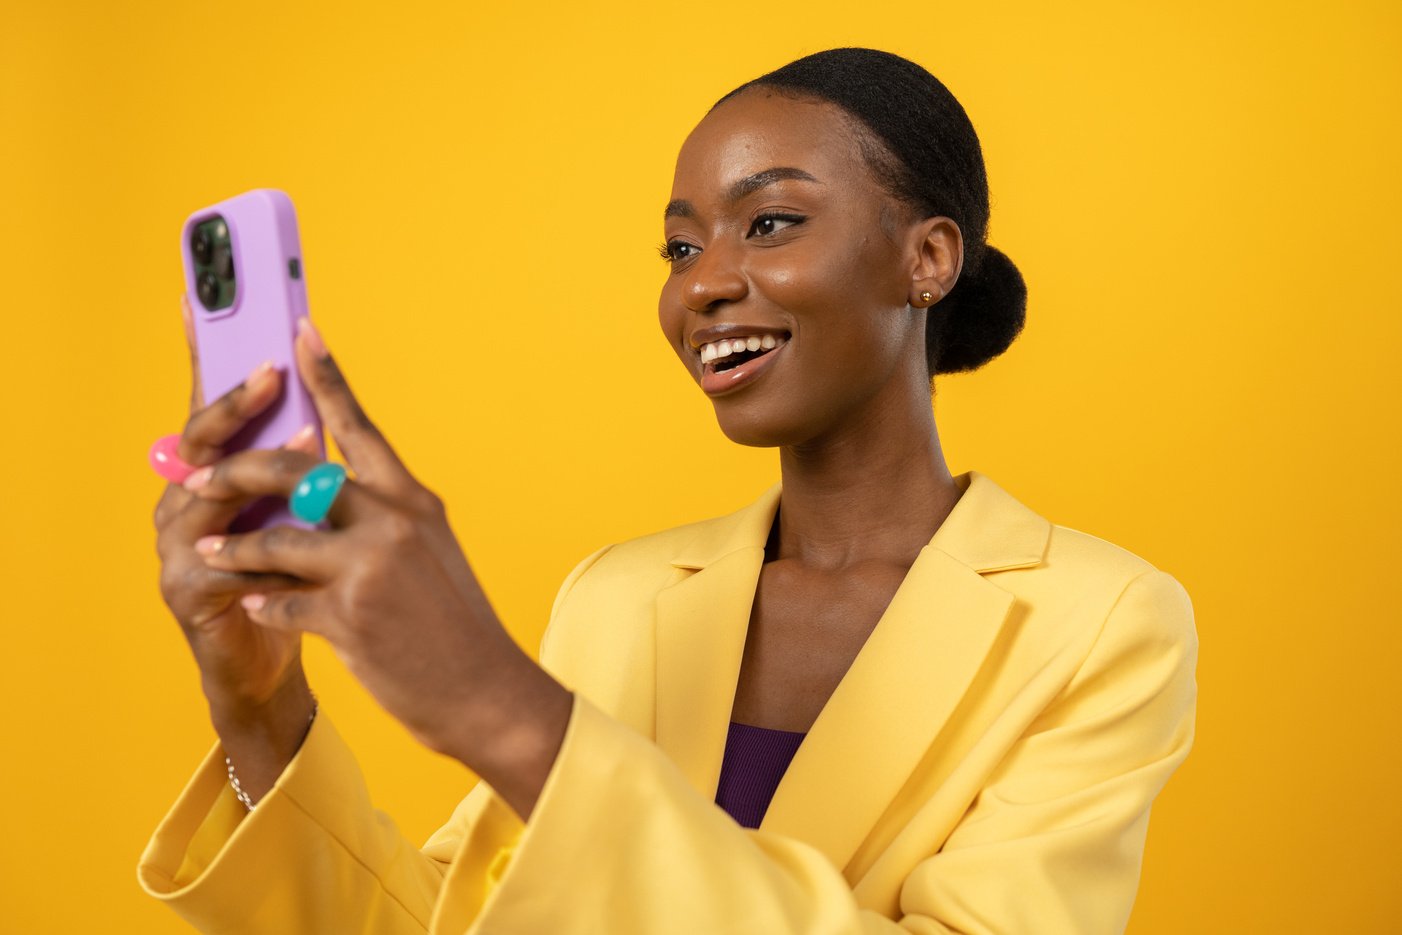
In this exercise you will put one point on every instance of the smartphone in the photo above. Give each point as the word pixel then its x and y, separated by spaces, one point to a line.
pixel 247 287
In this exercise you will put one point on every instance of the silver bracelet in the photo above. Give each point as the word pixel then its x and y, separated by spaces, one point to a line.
pixel 234 780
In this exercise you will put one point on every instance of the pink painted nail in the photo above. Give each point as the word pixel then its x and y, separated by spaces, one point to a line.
pixel 209 545
pixel 253 602
pixel 305 326
pixel 198 479
pixel 303 435
pixel 259 372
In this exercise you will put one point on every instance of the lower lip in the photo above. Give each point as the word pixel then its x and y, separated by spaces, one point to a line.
pixel 720 383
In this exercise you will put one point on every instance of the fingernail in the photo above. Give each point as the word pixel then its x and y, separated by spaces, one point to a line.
pixel 259 372
pixel 209 545
pixel 305 326
pixel 199 478
pixel 303 436
pixel 253 602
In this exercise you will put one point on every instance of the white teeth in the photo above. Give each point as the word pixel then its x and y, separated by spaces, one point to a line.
pixel 717 350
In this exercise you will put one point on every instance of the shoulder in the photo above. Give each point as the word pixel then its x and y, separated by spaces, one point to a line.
pixel 1118 631
pixel 1077 555
pixel 643 565
pixel 612 590
pixel 651 561
pixel 1135 605
pixel 1075 589
pixel 1021 550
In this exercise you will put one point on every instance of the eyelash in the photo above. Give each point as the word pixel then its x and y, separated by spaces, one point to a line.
pixel 665 249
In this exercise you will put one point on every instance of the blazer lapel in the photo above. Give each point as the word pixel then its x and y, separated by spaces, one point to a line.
pixel 701 625
pixel 897 696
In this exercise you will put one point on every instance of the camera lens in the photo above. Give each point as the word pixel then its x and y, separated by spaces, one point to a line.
pixel 208 287
pixel 202 245
pixel 224 261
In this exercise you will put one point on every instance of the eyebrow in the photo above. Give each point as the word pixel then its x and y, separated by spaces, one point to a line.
pixel 747 186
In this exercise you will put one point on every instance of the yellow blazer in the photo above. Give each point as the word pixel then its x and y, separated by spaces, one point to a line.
pixel 986 765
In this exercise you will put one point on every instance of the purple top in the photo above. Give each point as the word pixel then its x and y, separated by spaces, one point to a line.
pixel 755 761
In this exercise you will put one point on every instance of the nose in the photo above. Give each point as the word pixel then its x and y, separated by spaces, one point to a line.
pixel 714 276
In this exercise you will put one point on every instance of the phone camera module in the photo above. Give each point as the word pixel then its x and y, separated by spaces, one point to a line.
pixel 212 255
pixel 208 287
pixel 202 245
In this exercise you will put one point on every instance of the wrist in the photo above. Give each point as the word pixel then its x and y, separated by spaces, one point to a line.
pixel 266 716
pixel 259 741
pixel 247 796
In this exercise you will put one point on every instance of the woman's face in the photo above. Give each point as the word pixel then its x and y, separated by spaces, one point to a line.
pixel 778 230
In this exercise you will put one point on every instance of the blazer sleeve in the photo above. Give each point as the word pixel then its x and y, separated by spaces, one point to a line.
pixel 620 842
pixel 315 855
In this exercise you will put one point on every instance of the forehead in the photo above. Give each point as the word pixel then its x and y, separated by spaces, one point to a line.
pixel 759 129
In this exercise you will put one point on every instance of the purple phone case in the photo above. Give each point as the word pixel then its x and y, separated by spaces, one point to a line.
pixel 260 325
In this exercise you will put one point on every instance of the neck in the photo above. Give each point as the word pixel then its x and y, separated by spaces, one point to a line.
pixel 876 491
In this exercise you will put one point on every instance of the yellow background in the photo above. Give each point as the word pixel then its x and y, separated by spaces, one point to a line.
pixel 1203 198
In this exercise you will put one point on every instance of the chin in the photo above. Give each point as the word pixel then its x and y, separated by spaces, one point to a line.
pixel 756 426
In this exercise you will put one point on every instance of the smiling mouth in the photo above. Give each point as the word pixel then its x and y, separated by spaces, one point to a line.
pixel 738 368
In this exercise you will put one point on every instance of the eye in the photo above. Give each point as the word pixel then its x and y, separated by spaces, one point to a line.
pixel 767 224
pixel 674 250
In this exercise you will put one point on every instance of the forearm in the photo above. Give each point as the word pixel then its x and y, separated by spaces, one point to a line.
pixel 531 754
pixel 512 735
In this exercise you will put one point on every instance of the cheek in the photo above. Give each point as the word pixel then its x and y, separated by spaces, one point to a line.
pixel 671 318
pixel 800 283
pixel 831 293
pixel 847 313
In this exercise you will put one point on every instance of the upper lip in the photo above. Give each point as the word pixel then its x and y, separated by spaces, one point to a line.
pixel 704 336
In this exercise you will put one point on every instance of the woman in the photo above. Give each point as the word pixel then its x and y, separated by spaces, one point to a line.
pixel 987 703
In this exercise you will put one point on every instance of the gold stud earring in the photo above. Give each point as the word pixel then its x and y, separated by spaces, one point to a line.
pixel 926 296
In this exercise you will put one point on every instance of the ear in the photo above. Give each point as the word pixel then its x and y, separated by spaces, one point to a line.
pixel 937 252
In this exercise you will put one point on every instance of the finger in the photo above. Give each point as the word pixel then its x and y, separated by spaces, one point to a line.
pixel 299 609
pixel 190 516
pixel 366 449
pixel 308 554
pixel 214 583
pixel 196 383
pixel 208 429
pixel 244 476
pixel 191 520
pixel 175 497
pixel 221 582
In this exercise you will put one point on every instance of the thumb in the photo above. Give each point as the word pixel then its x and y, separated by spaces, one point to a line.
pixel 196 385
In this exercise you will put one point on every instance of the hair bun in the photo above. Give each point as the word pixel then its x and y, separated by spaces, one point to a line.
pixel 980 316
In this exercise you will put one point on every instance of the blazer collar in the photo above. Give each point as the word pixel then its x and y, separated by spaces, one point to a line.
pixel 899 693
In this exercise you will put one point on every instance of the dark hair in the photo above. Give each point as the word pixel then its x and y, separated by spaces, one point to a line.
pixel 932 161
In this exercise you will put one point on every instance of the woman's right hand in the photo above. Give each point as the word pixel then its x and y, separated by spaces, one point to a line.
pixel 247 670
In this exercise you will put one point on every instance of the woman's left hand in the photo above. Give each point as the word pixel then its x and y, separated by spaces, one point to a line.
pixel 389 587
